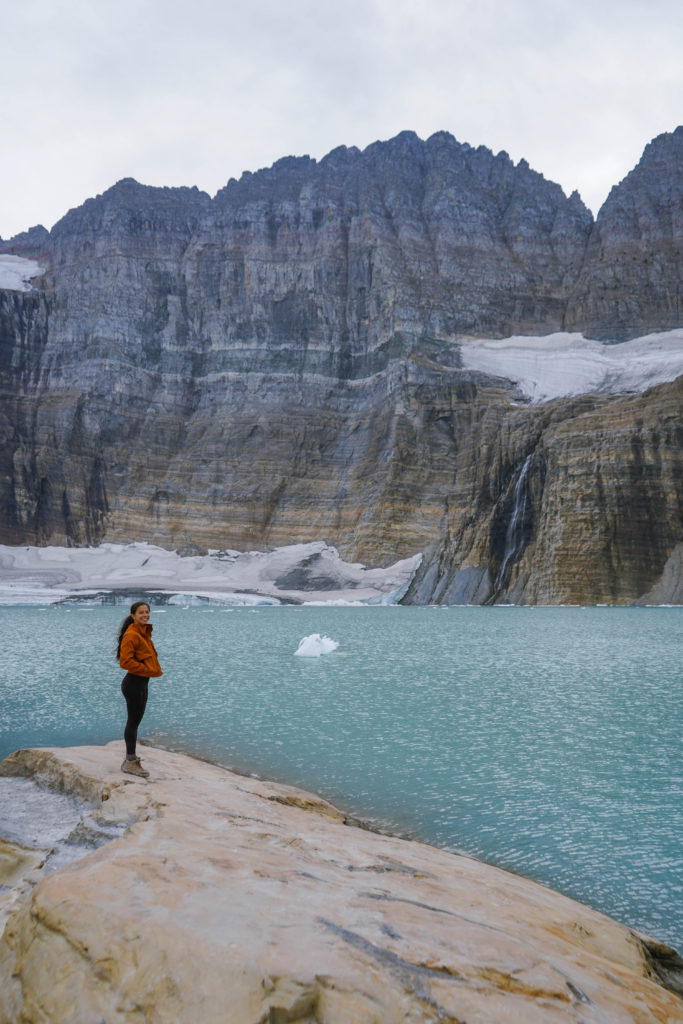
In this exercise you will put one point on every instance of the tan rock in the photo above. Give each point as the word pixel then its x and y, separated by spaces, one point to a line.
pixel 233 899
pixel 18 867
pixel 601 505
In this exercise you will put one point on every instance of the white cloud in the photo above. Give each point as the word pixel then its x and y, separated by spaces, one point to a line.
pixel 175 93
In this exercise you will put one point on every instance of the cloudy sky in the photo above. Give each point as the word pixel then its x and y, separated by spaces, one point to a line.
pixel 193 92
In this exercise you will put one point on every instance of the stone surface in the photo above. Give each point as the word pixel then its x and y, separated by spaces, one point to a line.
pixel 631 279
pixel 230 898
pixel 281 364
pixel 599 509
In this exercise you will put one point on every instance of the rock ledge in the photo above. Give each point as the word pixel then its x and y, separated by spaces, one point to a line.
pixel 230 898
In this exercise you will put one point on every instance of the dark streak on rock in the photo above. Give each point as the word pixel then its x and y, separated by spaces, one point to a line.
pixel 414 977
pixel 426 906
pixel 577 993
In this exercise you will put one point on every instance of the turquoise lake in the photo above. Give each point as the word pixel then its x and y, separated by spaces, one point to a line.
pixel 544 740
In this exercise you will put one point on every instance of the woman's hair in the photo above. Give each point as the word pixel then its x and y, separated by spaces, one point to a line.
pixel 128 621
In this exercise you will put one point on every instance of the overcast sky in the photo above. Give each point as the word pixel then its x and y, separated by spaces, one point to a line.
pixel 195 92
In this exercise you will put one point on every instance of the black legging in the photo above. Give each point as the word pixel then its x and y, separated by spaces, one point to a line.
pixel 134 689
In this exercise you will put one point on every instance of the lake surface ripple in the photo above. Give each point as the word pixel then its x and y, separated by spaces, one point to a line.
pixel 544 740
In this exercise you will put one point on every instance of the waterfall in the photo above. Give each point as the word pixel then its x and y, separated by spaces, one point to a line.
pixel 514 535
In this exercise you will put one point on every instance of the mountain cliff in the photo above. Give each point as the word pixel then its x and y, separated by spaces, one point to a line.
pixel 283 363
pixel 631 280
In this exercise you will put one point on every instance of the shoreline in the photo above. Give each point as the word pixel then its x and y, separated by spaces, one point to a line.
pixel 374 825
pixel 303 722
pixel 305 574
pixel 377 826
pixel 384 826
pixel 228 880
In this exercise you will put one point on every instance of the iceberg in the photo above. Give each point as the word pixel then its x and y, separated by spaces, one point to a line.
pixel 314 645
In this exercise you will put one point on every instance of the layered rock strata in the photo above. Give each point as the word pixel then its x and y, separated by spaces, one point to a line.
pixel 281 364
pixel 575 502
pixel 229 897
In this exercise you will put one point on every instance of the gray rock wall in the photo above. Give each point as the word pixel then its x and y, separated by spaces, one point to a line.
pixel 631 281
pixel 281 363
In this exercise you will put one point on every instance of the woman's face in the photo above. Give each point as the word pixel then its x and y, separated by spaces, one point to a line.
pixel 141 615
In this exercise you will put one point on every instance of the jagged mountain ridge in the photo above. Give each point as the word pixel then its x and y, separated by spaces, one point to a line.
pixel 280 364
pixel 630 280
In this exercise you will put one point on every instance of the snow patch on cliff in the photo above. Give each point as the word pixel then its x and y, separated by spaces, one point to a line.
pixel 298 574
pixel 561 365
pixel 16 273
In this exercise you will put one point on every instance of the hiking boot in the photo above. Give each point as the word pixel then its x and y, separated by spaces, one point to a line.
pixel 134 768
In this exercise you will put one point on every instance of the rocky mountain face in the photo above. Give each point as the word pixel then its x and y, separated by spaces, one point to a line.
pixel 577 501
pixel 631 281
pixel 281 363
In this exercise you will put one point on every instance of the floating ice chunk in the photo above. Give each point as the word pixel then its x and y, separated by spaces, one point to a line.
pixel 314 645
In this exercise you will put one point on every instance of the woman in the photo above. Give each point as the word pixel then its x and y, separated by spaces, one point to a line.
pixel 137 654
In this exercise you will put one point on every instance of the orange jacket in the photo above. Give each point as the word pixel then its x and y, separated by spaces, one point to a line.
pixel 138 653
